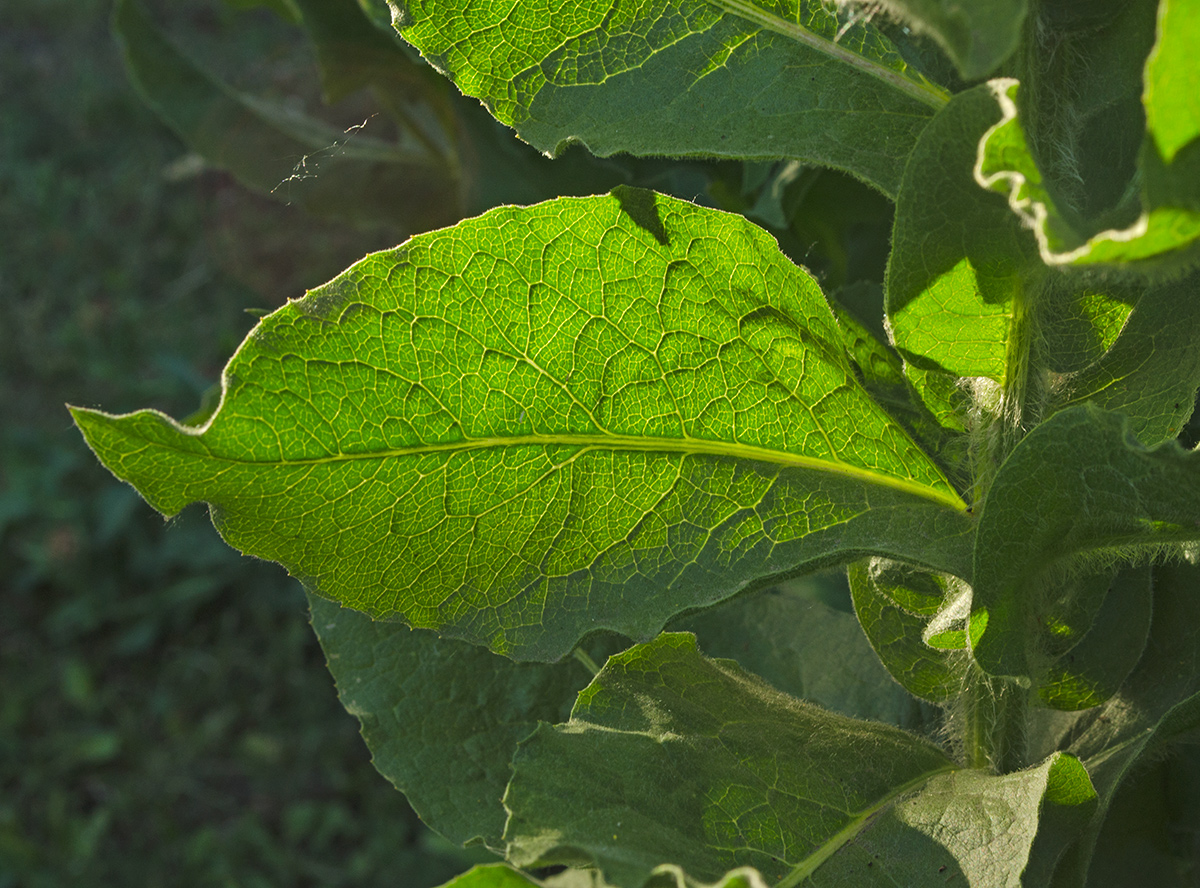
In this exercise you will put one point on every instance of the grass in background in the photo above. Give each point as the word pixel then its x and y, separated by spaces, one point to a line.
pixel 165 714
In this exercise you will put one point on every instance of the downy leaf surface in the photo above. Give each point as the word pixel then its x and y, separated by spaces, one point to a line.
pixel 592 413
pixel 441 717
pixel 732 78
pixel 279 152
pixel 1079 483
pixel 672 757
pixel 1169 163
pixel 978 36
pixel 959 258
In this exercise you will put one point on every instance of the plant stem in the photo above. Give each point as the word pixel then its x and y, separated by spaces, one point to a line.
pixel 994 713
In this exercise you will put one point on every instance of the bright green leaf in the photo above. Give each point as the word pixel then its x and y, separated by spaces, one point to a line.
pixel 277 152
pixel 441 717
pixel 960 260
pixel 895 605
pixel 671 757
pixel 1077 484
pixel 492 875
pixel 593 413
pixel 978 35
pixel 731 78
pixel 1172 81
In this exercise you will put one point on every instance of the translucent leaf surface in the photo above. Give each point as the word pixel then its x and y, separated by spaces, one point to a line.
pixel 671 757
pixel 1078 483
pixel 593 413
pixel 278 152
pixel 978 36
pixel 895 607
pixel 960 260
pixel 733 78
pixel 495 875
pixel 442 718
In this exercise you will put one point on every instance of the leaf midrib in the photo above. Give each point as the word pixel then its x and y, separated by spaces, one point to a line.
pixel 832 845
pixel 927 93
pixel 606 441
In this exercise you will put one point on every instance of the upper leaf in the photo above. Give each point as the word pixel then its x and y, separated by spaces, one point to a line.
pixel 978 36
pixel 730 78
pixel 592 413
pixel 276 151
pixel 1078 483
pixel 673 758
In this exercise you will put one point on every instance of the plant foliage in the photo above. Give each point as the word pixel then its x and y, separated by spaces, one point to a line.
pixel 537 468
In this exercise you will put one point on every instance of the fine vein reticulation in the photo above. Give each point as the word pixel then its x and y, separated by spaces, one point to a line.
pixel 594 412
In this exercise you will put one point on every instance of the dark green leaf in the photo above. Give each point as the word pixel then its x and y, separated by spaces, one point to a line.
pixel 1077 484
pixel 673 758
pixel 685 78
pixel 280 153
pixel 593 413
pixel 441 717
pixel 978 35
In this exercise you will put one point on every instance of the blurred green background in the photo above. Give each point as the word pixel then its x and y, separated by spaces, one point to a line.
pixel 165 713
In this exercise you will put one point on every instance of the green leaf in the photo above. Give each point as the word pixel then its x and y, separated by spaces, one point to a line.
pixel 593 413
pixel 280 153
pixel 895 605
pixel 1169 220
pixel 442 718
pixel 731 78
pixel 673 758
pixel 960 260
pixel 1157 706
pixel 978 36
pixel 806 648
pixel 492 875
pixel 1077 484
pixel 1173 79
pixel 1152 370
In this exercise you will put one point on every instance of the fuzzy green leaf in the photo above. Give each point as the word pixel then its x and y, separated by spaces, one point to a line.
pixel 673 758
pixel 442 718
pixel 732 78
pixel 1152 370
pixel 959 257
pixel 896 606
pixel 592 413
pixel 978 35
pixel 1079 483
pixel 804 647
pixel 278 152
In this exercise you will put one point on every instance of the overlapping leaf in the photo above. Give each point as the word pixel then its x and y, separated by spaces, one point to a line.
pixel 733 78
pixel 593 413
pixel 670 757
pixel 978 36
pixel 1077 484
pixel 278 152
pixel 1169 163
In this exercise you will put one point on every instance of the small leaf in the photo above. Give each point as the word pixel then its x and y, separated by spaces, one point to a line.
pixel 673 758
pixel 442 718
pixel 1077 484
pixel 887 601
pixel 592 413
pixel 732 78
pixel 492 875
pixel 960 260
pixel 277 152
pixel 978 36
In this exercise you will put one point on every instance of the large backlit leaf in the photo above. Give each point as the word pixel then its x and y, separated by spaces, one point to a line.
pixel 732 78
pixel 592 413
pixel 1079 483
pixel 442 718
pixel 1169 162
pixel 960 260
pixel 279 152
pixel 978 35
pixel 673 758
